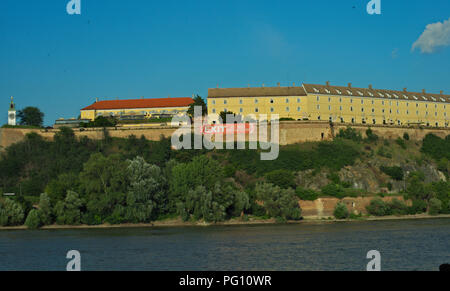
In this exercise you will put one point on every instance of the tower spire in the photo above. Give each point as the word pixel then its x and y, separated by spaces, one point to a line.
pixel 12 113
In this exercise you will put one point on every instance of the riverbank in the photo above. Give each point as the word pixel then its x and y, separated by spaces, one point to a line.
pixel 179 223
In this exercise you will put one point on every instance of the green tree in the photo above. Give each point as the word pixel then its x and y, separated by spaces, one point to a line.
pixel 202 171
pixel 45 210
pixel 58 187
pixel 69 211
pixel 279 203
pixel 147 193
pixel 33 220
pixel 198 101
pixel 341 211
pixel 104 183
pixel 11 213
pixel 30 116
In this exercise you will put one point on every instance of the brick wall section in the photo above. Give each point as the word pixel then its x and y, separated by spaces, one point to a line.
pixel 324 207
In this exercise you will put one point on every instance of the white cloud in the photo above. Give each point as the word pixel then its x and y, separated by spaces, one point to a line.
pixel 435 35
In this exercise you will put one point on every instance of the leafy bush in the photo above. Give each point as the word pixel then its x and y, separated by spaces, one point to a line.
pixel 341 211
pixel 306 194
pixel 334 190
pixel 398 207
pixel 401 143
pixel 378 207
pixel 69 211
pixel 434 206
pixel 282 178
pixel 371 137
pixel 418 206
pixel 394 172
pixel 350 133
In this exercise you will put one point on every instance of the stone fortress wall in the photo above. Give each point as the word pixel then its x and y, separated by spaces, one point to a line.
pixel 291 132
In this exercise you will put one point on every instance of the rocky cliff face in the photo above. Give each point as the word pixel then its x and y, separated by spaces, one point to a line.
pixel 366 174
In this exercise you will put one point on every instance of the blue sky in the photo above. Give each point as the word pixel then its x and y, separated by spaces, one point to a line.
pixel 129 49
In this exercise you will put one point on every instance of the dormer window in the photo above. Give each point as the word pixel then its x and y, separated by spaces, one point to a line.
pixel 381 95
pixel 328 91
pixel 360 93
pixel 315 90
pixel 349 92
pixel 339 92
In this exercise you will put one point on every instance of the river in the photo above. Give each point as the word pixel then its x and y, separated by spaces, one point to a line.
pixel 403 244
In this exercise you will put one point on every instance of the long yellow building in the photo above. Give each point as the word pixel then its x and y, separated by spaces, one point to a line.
pixel 144 106
pixel 343 104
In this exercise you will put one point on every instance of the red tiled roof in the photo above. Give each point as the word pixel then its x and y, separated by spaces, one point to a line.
pixel 140 103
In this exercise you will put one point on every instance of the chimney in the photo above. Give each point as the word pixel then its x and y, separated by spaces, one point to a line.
pixel 405 90
pixel 349 85
pixel 263 85
pixel 423 91
pixel 278 84
pixel 328 83
pixel 293 84
pixel 370 86
pixel 96 99
pixel 442 92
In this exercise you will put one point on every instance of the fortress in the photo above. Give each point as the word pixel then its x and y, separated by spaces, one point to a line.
pixel 291 132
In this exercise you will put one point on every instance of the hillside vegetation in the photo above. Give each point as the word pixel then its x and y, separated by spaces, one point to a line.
pixel 133 180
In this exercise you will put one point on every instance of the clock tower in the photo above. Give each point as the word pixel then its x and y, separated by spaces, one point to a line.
pixel 12 113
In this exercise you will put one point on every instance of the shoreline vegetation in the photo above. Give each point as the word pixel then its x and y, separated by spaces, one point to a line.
pixel 133 181
pixel 232 222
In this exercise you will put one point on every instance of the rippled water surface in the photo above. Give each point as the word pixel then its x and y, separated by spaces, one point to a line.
pixel 404 245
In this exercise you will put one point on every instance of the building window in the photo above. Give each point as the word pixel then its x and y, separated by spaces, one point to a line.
pixel 256 101
pixel 214 111
pixel 318 107
pixel 240 101
pixel 214 102
pixel 287 100
pixel 241 110
pixel 351 108
pixel 362 109
pixel 224 101
pixel 329 99
pixel 362 101
pixel 329 108
pixel 271 109
pixel 287 109
pixel 373 110
pixel 271 101
pixel 382 102
pixel 340 108
pixel 317 98
pixel 256 109
pixel 225 110
pixel 340 100
pixel 298 108
pixel 351 100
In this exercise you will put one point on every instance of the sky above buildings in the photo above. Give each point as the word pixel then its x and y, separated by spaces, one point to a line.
pixel 129 49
